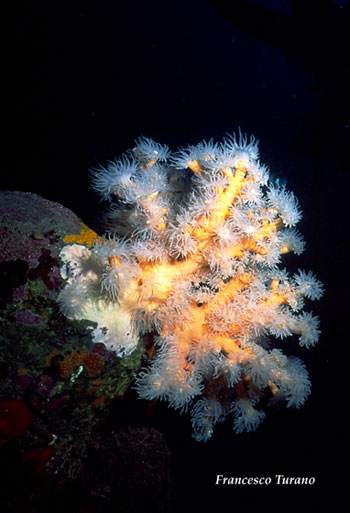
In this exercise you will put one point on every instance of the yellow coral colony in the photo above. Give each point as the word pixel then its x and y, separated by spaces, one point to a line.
pixel 192 255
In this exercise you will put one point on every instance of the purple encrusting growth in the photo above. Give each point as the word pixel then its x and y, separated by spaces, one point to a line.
pixel 28 318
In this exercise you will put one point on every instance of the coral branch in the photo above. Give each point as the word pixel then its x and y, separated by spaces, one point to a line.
pixel 192 256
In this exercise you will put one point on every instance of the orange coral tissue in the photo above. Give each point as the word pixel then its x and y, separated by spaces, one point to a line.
pixel 193 255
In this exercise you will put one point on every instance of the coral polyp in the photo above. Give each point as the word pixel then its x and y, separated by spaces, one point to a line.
pixel 193 254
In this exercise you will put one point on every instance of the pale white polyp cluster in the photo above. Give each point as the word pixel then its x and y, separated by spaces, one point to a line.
pixel 170 256
pixel 85 297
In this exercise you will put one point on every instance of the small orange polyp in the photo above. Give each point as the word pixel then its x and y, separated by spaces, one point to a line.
pixel 194 166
